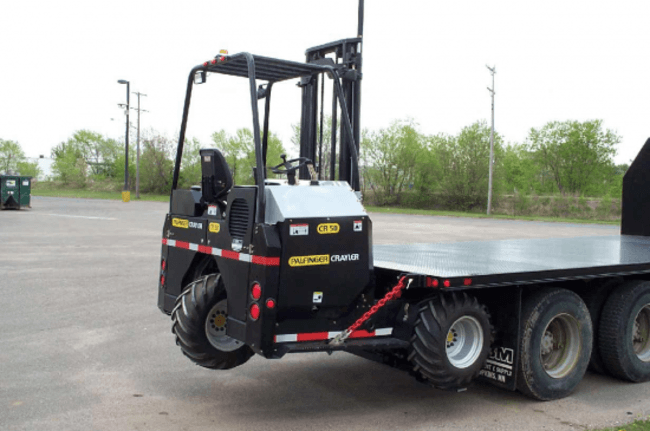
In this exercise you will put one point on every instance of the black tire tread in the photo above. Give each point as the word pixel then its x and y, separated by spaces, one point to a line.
pixel 427 351
pixel 525 379
pixel 611 341
pixel 188 319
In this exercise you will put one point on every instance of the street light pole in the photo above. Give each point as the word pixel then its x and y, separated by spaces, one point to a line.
pixel 137 157
pixel 126 138
pixel 489 205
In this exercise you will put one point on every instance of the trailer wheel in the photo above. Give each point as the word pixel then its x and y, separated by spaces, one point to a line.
pixel 556 340
pixel 624 333
pixel 451 340
pixel 199 323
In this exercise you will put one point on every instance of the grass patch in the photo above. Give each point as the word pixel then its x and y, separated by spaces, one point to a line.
pixel 392 210
pixel 638 425
pixel 92 194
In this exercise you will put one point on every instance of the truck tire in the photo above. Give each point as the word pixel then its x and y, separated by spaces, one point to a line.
pixel 556 341
pixel 624 333
pixel 595 301
pixel 451 341
pixel 199 323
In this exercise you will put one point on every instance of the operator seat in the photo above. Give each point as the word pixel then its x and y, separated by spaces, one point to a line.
pixel 216 179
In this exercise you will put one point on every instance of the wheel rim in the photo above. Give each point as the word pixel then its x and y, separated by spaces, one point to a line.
pixel 560 346
pixel 464 342
pixel 215 328
pixel 641 334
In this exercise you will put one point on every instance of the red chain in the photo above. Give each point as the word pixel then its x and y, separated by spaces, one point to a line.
pixel 396 292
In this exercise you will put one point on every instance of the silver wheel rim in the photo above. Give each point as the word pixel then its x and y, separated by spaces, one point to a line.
pixel 464 342
pixel 641 334
pixel 560 346
pixel 215 328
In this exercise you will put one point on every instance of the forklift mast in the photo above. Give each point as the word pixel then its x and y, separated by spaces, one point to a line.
pixel 345 56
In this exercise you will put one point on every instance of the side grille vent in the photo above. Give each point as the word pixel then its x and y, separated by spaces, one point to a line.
pixel 238 218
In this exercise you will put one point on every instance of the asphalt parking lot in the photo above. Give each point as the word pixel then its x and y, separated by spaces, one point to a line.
pixel 84 347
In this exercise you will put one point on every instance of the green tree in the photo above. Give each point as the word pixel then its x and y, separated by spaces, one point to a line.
pixel 390 160
pixel 156 164
pixel 464 166
pixel 10 155
pixel 239 151
pixel 190 173
pixel 29 168
pixel 69 165
pixel 577 155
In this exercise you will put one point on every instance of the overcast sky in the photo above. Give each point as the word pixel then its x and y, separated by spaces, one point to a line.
pixel 555 60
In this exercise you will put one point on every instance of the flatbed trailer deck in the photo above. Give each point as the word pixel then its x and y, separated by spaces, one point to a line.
pixel 518 261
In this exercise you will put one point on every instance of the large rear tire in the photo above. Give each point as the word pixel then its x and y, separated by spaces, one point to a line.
pixel 624 333
pixel 556 340
pixel 199 323
pixel 451 341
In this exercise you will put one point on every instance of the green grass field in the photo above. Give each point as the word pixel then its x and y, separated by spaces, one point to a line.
pixel 638 425
pixel 112 195
pixel 93 194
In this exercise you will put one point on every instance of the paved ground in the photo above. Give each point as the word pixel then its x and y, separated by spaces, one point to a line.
pixel 84 347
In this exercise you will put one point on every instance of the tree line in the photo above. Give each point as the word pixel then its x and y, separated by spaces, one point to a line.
pixel 402 166
pixel 399 164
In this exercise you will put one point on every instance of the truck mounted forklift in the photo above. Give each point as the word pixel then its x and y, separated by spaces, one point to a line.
pixel 284 266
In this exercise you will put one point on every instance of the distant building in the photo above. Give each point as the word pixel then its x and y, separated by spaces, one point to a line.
pixel 45 165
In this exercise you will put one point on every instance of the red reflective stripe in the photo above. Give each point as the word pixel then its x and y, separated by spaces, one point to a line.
pixel 229 254
pixel 362 334
pixel 267 261
pixel 183 244
pixel 258 260
pixel 314 336
pixel 205 249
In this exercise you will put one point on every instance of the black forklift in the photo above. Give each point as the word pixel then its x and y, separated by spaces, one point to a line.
pixel 288 265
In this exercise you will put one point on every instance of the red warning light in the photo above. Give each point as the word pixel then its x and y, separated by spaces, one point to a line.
pixel 256 291
pixel 446 283
pixel 270 304
pixel 467 281
pixel 255 311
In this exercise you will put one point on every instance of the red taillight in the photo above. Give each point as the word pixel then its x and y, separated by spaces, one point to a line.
pixel 446 283
pixel 205 64
pixel 467 281
pixel 222 58
pixel 270 303
pixel 255 311
pixel 162 280
pixel 163 265
pixel 256 291
pixel 432 282
pixel 214 61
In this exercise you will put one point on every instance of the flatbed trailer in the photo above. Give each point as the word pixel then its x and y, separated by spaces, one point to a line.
pixel 285 266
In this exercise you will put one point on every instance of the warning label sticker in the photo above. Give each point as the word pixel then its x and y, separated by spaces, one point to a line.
pixel 298 229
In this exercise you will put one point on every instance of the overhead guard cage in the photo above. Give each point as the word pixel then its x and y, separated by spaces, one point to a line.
pixel 271 70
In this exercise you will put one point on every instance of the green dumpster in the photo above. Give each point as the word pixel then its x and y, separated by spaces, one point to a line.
pixel 15 191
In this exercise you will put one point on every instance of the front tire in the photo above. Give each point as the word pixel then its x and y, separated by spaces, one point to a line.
pixel 451 341
pixel 199 324
pixel 624 333
pixel 556 341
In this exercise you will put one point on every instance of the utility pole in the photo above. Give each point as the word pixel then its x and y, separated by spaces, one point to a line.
pixel 491 90
pixel 137 157
pixel 125 193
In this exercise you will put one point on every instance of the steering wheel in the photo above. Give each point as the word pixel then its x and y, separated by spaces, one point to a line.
pixel 289 168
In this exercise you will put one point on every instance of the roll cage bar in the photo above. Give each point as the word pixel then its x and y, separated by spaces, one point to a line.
pixel 272 70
